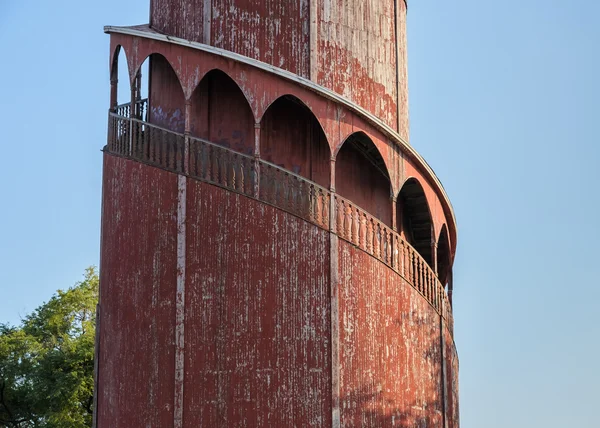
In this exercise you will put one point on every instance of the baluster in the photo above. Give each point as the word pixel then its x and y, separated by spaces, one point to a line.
pixel 165 160
pixel 388 246
pixel 134 135
pixel 429 283
pixel 423 277
pixel 318 212
pixel 415 269
pixel 369 247
pixel 225 169
pixel 347 220
pixel 361 222
pixel 274 182
pixel 411 264
pixel 419 274
pixel 216 153
pixel 354 225
pixel 168 160
pixel 377 239
pixel 160 150
pixel 242 175
pixel 326 199
pixel 232 168
pixel 285 191
pixel 339 216
pixel 290 194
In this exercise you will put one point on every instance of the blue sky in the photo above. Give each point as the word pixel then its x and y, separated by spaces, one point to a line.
pixel 504 103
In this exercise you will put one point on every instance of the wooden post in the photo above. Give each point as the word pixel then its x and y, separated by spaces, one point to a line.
pixel 187 133
pixel 332 215
pixel 450 285
pixel 132 110
pixel 114 82
pixel 394 216
pixel 257 159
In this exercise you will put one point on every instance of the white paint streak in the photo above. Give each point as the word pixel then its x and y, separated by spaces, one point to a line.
pixel 314 42
pixel 207 18
pixel 335 332
pixel 180 300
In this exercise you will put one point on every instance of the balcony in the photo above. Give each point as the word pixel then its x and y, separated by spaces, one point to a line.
pixel 136 139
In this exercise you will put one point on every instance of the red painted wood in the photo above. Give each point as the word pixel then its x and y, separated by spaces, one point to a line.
pixel 268 299
pixel 137 296
pixel 257 317
pixel 389 345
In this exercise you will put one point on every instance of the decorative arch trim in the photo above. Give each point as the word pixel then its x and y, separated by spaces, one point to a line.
pixel 382 166
pixel 241 89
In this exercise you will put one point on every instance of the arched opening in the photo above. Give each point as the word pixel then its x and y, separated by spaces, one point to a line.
pixel 292 138
pixel 119 80
pixel 443 256
pixel 414 218
pixel 166 101
pixel 362 177
pixel 221 113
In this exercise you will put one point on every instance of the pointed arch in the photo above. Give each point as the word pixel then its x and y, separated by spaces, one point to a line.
pixel 166 101
pixel 292 137
pixel 362 176
pixel 443 255
pixel 120 92
pixel 414 218
pixel 221 113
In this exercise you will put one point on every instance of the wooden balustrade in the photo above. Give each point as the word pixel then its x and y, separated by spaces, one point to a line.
pixel 221 166
pixel 294 194
pixel 279 187
pixel 141 107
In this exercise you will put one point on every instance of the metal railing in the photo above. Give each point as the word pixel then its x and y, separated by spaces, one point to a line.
pixel 269 183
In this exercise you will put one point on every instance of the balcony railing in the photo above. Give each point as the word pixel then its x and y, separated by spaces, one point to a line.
pixel 264 181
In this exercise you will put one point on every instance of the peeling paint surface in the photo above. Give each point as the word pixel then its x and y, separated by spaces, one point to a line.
pixel 258 305
pixel 260 263
pixel 357 53
pixel 138 289
pixel 390 353
pixel 271 31
pixel 257 315
pixel 353 47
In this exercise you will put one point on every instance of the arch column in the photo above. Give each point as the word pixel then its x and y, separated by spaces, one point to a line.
pixel 394 216
pixel 257 159
pixel 334 295
pixel 136 93
pixel 450 285
pixel 114 87
pixel 187 132
pixel 332 215
pixel 434 258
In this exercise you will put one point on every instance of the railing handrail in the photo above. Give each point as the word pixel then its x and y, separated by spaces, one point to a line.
pixel 440 304
pixel 293 174
pixel 140 101
pixel 397 235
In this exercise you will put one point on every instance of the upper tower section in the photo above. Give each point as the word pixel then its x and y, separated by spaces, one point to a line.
pixel 356 48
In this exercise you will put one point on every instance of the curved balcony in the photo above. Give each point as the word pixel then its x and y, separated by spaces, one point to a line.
pixel 202 160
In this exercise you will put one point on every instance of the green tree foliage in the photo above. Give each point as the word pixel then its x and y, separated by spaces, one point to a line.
pixel 47 363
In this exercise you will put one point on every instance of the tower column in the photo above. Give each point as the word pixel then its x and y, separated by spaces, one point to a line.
pixel 114 85
pixel 334 290
pixel 394 219
pixel 187 132
pixel 434 260
pixel 257 158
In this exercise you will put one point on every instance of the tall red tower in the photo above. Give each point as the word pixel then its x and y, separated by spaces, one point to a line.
pixel 274 252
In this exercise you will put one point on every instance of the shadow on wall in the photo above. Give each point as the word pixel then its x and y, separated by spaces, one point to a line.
pixel 407 392
pixel 369 406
